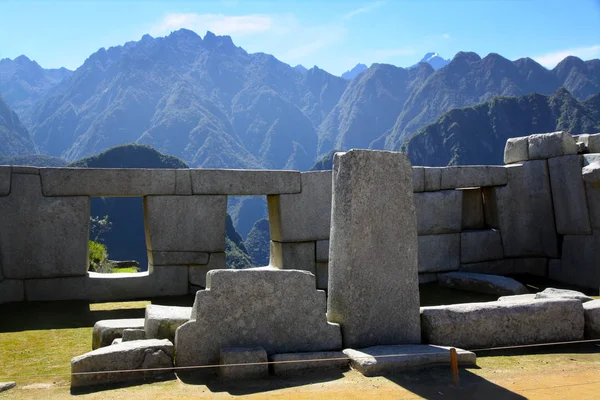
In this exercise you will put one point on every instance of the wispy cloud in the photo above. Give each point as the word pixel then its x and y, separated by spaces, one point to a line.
pixel 445 36
pixel 549 60
pixel 217 23
pixel 362 10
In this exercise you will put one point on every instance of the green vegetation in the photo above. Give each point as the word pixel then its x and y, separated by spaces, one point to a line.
pixel 258 243
pixel 130 155
pixel 235 257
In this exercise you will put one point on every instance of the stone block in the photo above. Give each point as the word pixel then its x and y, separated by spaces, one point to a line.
pixel 381 360
pixel 42 237
pixel 197 273
pixel 185 223
pixel 509 266
pixel 322 275
pixel 481 283
pixel 293 256
pixel 579 262
pixel 303 216
pixel 101 182
pixel 178 257
pixel 279 310
pixel 105 331
pixel 553 293
pixel 548 145
pixel 418 179
pixel 591 311
pixel 569 197
pixel 161 322
pixel 439 252
pixel 516 150
pixel 593 143
pixel 4 386
pixel 373 249
pixel 518 297
pixel 130 334
pixel 466 176
pixel 137 354
pixel 503 323
pixel 22 169
pixel 472 209
pixel 433 178
pixel 591 173
pixel 322 251
pixel 490 207
pixel 439 212
pixel 525 212
pixel 243 355
pixel 300 363
pixel 4 180
pixel 427 277
pixel 484 245
pixel 593 198
pixel 245 182
pixel 11 291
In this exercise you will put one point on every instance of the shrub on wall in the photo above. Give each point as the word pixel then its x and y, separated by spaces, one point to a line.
pixel 98 258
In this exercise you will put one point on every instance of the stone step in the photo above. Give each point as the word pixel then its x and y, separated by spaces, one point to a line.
pixel 107 330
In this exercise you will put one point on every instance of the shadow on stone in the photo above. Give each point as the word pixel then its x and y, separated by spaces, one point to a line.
pixel 78 391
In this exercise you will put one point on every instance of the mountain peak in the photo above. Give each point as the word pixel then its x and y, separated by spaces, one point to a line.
pixel 351 74
pixel 433 59
pixel 301 68
pixel 466 56
pixel 211 40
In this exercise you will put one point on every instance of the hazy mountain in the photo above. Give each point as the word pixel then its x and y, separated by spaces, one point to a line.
pixel 433 59
pixel 14 137
pixel 477 135
pixel 354 72
pixel 33 160
pixel 301 68
pixel 258 243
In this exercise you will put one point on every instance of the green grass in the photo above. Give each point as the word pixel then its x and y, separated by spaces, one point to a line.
pixel 125 270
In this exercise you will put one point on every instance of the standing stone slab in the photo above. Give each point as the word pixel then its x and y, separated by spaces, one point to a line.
pixel 568 195
pixel 373 249
pixel 418 179
pixel 484 245
pixel 592 319
pixel 481 283
pixel 439 253
pixel 472 209
pixel 161 322
pixel 439 212
pixel 243 355
pixel 516 150
pixel 185 223
pixel 197 273
pixel 548 145
pixel 40 236
pixel 293 256
pixel 242 182
pixel 473 176
pixel 279 310
pixel 4 181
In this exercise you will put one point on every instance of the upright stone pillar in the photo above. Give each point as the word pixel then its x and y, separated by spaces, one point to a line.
pixel 373 278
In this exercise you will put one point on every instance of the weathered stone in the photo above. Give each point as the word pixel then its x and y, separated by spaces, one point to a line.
pixel 11 291
pixel 481 283
pixel 568 194
pixel 114 182
pixel 279 310
pixel 185 223
pixel 525 212
pixel 293 256
pixel 591 142
pixel 322 251
pixel 418 179
pixel 23 169
pixel 4 386
pixel 299 363
pixel 130 334
pixel 243 355
pixel 490 207
pixel 516 150
pixel 107 330
pixel 59 228
pixel 117 341
pixel 591 311
pixel 162 321
pixel 373 249
pixel 509 266
pixel 433 178
pixel 427 278
pixel 548 145
pixel 472 209
pixel 518 297
pixel 553 293
pixel 245 182
pixel 503 323
pixel 439 212
pixel 591 168
pixel 593 198
pixel 439 252
pixel 466 176
pixel 476 246
pixel 177 258
pixel 4 180
pixel 322 275
pixel 303 216
pixel 137 354
pixel 197 273
pixel 579 262
pixel 380 360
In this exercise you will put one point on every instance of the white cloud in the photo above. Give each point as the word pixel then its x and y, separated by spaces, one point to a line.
pixel 549 60
pixel 362 10
pixel 219 24
pixel 446 36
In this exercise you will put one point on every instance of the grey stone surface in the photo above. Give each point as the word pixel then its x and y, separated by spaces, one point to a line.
pixel 503 323
pixel 243 355
pixel 516 150
pixel 161 322
pixel 525 212
pixel 113 182
pixel 137 354
pixel 591 168
pixel 279 310
pixel 569 197
pixel 59 228
pixel 245 182
pixel 185 223
pixel 439 252
pixel 322 251
pixel 481 283
pixel 130 334
pixel 299 363
pixel 373 249
pixel 197 273
pixel 579 262
pixel 376 360
pixel 11 291
pixel 322 275
pixel 304 216
pixel 162 258
pixel 439 212
pixel 117 341
pixel 490 207
pixel 22 169
pixel 4 386
pixel 433 178
pixel 483 245
pixel 591 311
pixel 107 330
pixel 593 197
pixel 593 143
pixel 293 256
pixel 4 180
pixel 518 297
pixel 418 179
pixel 472 209
pixel 466 176
pixel 548 145
pixel 427 277
pixel 553 293
pixel 509 266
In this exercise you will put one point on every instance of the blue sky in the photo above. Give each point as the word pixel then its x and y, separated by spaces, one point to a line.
pixel 333 34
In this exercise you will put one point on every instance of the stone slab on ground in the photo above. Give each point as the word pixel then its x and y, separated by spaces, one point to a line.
pixel 591 311
pixel 466 176
pixel 553 293
pixel 439 212
pixel 243 355
pixel 130 334
pixel 4 386
pixel 446 256
pixel 518 297
pixel 161 322
pixel 480 245
pixel 12 291
pixel 243 182
pixel 481 283
pixel 293 256
pixel 137 354
pixel 503 323
pixel 106 330
pixel 548 145
pixel 197 273
pixel 376 360
pixel 298 363
pixel 516 150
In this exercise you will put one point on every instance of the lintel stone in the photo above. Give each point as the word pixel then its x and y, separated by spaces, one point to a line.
pixel 548 145
pixel 473 176
pixel 245 182
pixel 178 257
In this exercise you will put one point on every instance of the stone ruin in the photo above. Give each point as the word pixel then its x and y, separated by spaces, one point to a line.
pixel 369 231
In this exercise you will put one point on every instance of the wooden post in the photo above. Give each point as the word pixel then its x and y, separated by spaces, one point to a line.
pixel 454 367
